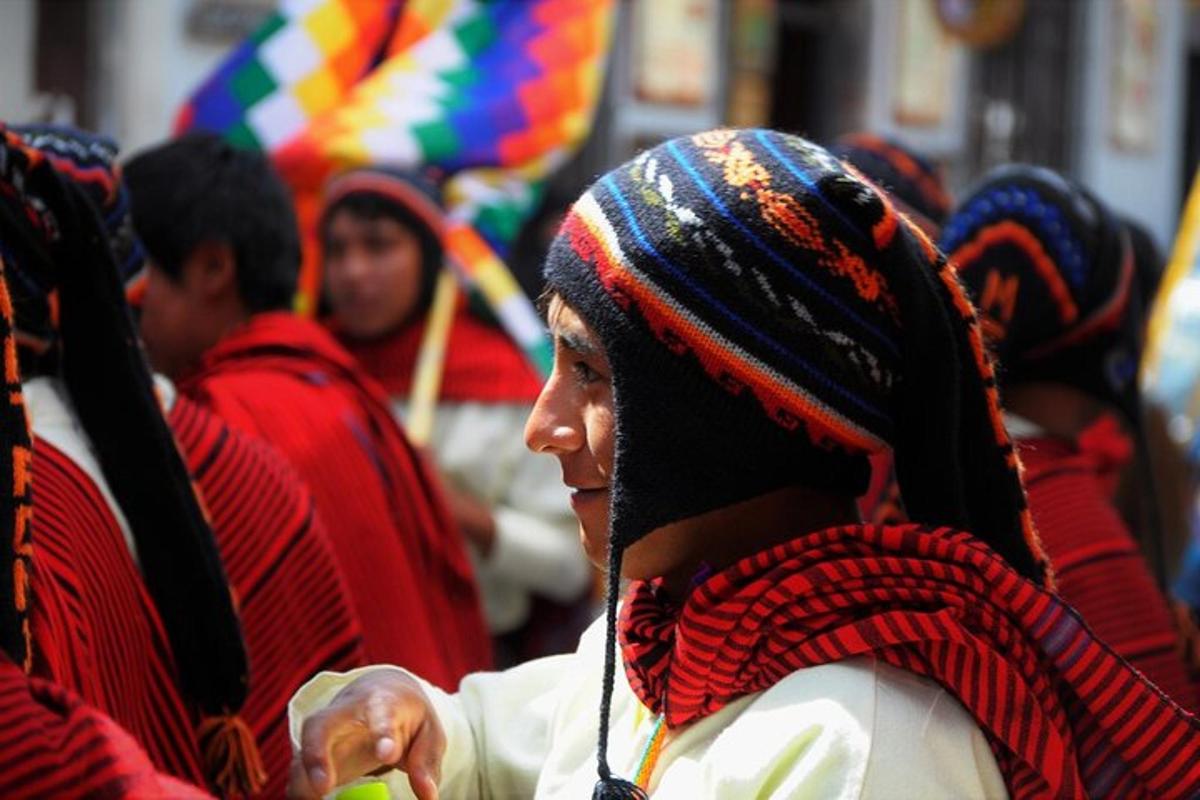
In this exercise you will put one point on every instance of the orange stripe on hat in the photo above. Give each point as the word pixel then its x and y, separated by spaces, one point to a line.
pixel 1015 234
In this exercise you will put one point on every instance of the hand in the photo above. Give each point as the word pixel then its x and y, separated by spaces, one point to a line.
pixel 474 518
pixel 381 720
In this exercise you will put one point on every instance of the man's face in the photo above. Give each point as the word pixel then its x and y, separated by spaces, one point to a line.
pixel 573 420
pixel 373 273
pixel 173 320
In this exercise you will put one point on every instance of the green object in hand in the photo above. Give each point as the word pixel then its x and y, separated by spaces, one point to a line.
pixel 376 790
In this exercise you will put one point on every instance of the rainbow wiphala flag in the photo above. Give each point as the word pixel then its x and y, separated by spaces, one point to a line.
pixel 496 94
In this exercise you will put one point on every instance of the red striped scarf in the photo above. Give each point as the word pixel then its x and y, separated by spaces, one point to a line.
pixel 1065 716
pixel 1098 567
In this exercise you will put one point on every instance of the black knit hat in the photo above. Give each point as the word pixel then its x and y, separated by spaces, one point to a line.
pixel 1149 263
pixel 770 320
pixel 912 180
pixel 1052 272
pixel 411 197
pixel 56 245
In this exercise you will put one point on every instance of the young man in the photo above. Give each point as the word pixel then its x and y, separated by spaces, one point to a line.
pixel 223 249
pixel 382 236
pixel 738 321
pixel 133 610
pixel 1052 272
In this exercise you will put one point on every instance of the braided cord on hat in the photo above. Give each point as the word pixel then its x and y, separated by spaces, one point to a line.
pixel 15 508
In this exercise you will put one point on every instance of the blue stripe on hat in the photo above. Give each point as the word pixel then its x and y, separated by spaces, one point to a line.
pixel 766 249
pixel 750 330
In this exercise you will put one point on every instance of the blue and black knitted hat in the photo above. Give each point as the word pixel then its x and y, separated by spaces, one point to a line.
pixel 1052 272
pixel 770 319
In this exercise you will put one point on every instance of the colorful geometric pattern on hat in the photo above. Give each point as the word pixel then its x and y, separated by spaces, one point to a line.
pixel 1004 200
pixel 1052 272
pixel 740 352
pixel 90 161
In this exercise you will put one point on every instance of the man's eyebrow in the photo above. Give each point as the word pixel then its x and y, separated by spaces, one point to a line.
pixel 573 341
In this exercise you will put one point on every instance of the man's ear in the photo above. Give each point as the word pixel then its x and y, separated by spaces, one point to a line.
pixel 212 269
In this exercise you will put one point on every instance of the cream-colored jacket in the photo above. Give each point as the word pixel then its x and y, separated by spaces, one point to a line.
pixel 858 730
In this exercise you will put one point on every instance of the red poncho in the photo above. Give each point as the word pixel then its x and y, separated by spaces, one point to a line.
pixel 96 630
pixel 482 363
pixel 1099 568
pixel 1065 717
pixel 54 745
pixel 296 612
pixel 286 380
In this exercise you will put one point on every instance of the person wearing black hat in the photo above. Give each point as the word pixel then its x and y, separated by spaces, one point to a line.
pixel 52 744
pixel 1052 271
pixel 134 610
pixel 382 232
pixel 738 321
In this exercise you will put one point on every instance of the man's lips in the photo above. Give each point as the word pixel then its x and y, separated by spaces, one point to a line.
pixel 585 496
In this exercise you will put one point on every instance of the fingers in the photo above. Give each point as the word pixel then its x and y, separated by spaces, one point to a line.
pixel 317 738
pixel 383 725
pixel 375 722
pixel 423 761
pixel 299 787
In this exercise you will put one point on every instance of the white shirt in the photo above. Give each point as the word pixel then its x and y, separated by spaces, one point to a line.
pixel 857 729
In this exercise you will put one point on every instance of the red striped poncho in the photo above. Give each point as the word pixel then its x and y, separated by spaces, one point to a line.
pixel 54 745
pixel 1098 566
pixel 1066 718
pixel 296 612
pixel 95 628
pixel 286 380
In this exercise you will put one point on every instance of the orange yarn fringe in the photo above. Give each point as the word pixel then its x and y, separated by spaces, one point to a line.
pixel 232 762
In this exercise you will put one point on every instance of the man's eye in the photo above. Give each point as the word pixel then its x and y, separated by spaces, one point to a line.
pixel 584 373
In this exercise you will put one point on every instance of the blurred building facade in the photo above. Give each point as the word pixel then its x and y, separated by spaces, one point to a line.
pixel 1106 90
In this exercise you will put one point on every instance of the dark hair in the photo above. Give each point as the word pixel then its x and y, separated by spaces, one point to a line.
pixel 199 188
pixel 369 206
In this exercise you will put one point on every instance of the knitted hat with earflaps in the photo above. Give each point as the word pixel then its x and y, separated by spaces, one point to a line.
pixel 72 322
pixel 770 320
pixel 1052 272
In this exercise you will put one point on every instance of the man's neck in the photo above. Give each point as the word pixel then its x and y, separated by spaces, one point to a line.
pixel 725 536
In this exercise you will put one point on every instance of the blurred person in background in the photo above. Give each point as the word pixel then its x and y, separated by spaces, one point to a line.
pixel 738 321
pixel 296 612
pixel 223 261
pixel 381 231
pixel 1052 273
